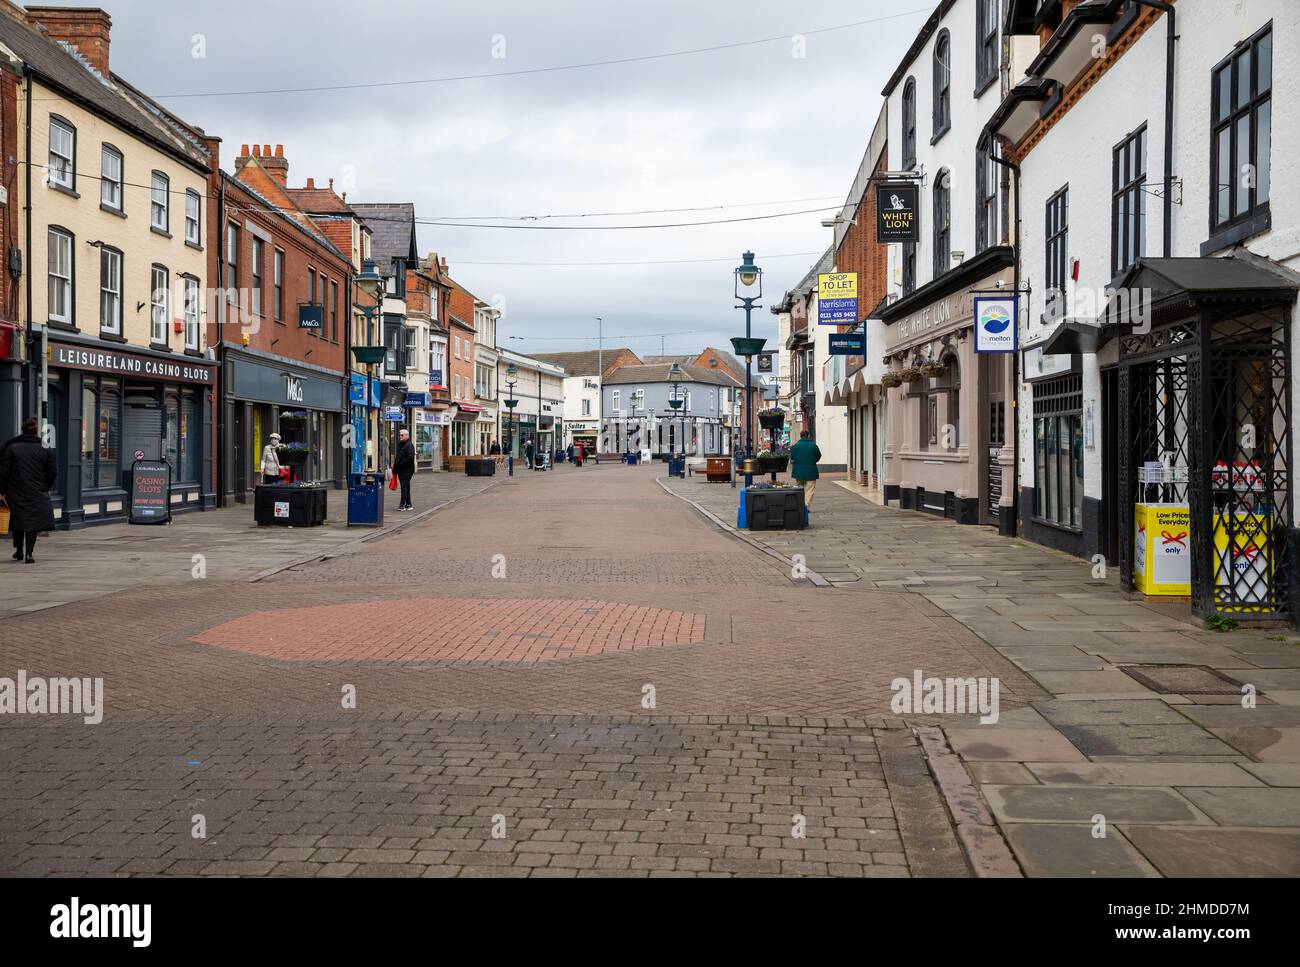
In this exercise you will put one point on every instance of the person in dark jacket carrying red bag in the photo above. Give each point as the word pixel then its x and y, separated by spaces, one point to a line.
pixel 27 474
pixel 404 467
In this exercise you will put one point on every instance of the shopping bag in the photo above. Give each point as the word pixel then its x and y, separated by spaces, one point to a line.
pixel 4 516
pixel 392 482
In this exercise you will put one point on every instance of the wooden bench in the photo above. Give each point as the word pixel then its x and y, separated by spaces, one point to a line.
pixel 718 470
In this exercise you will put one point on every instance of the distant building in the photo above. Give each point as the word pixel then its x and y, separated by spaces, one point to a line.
pixel 582 397
pixel 640 414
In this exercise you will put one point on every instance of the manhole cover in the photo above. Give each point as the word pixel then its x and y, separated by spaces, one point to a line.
pixel 1182 679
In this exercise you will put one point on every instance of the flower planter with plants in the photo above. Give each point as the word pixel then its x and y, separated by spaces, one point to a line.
pixel 772 461
pixel 891 379
pixel 932 369
pixel 773 419
pixel 290 505
pixel 911 374
pixel 293 454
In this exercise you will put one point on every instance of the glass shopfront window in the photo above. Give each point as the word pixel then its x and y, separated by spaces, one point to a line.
pixel 1058 451
pixel 101 432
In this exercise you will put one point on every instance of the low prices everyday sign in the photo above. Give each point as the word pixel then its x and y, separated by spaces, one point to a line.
pixel 151 484
pixel 837 298
pixel 897 205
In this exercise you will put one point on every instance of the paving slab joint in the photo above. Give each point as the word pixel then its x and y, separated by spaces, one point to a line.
pixel 986 848
pixel 812 576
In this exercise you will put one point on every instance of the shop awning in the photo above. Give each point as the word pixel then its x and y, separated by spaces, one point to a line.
pixel 1071 338
pixel 469 408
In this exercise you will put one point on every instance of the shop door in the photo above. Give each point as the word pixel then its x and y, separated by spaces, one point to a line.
pixel 997 431
pixel 239 447
pixel 142 429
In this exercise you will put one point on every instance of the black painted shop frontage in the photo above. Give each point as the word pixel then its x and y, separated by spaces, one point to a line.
pixel 111 405
pixel 261 395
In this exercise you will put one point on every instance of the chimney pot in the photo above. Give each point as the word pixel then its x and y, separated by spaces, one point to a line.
pixel 331 184
pixel 311 183
pixel 243 151
pixel 87 30
pixel 279 151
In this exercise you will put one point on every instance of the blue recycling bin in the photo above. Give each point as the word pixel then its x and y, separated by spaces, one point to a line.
pixel 366 499
pixel 677 467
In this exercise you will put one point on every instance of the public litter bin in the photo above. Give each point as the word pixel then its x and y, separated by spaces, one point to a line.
pixel 366 499
pixel 677 467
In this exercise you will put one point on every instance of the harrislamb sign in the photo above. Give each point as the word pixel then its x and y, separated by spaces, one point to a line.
pixel 112 361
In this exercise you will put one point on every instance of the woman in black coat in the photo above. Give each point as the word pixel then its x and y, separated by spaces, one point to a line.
pixel 27 472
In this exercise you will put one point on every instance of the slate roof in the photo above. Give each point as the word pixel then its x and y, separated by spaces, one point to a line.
pixel 585 362
pixel 392 228
pixel 58 66
pixel 658 373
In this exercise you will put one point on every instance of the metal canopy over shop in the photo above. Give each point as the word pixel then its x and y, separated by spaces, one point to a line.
pixel 1204 403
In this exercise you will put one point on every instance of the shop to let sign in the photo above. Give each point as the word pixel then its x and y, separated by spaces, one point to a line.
pixel 837 298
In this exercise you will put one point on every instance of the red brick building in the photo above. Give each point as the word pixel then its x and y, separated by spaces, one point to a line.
pixel 460 367
pixel 278 323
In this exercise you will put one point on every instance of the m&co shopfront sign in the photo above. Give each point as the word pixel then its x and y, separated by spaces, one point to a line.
pixel 98 360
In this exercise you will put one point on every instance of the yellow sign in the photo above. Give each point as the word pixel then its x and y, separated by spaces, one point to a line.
pixel 837 285
pixel 1162 549
pixel 1243 575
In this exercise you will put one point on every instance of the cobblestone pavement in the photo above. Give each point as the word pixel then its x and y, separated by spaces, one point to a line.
pixel 754 737
pixel 1183 779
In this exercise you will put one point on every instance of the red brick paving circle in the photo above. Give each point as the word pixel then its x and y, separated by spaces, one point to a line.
pixel 455 629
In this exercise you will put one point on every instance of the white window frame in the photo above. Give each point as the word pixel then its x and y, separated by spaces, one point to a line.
pixel 62 279
pixel 193 300
pixel 159 201
pixel 159 304
pixel 62 170
pixel 110 185
pixel 192 221
pixel 114 294
pixel 615 399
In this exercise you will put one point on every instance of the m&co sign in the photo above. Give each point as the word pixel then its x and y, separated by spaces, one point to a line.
pixel 897 212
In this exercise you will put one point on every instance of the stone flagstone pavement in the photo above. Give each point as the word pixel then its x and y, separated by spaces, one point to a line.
pixel 1105 775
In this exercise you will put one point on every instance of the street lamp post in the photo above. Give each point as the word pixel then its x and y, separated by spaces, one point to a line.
pixel 675 403
pixel 747 276
pixel 512 377
pixel 370 283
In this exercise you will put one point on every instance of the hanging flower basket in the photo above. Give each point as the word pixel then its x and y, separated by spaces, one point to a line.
pixel 891 379
pixel 771 419
pixel 293 416
pixel 772 461
pixel 933 369
pixel 293 454
pixel 911 374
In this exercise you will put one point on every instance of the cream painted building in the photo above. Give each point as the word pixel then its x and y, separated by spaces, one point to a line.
pixel 114 269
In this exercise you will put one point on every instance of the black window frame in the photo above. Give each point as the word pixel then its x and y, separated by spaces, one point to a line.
pixel 941 93
pixel 909 267
pixel 257 279
pixel 986 205
pixel 1229 123
pixel 942 233
pixel 909 125
pixel 986 44
pixel 1128 200
pixel 1056 240
pixel 277 270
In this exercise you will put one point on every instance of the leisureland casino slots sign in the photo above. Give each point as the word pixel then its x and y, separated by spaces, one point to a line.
pixel 127 364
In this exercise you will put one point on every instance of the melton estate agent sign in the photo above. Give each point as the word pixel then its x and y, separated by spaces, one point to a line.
pixel 94 359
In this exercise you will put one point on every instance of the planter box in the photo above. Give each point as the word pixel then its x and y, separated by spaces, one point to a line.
pixel 718 470
pixel 484 467
pixel 772 464
pixel 772 508
pixel 275 505
pixel 774 422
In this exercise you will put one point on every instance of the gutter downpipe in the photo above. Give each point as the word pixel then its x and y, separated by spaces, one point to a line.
pixel 1010 529
pixel 1171 44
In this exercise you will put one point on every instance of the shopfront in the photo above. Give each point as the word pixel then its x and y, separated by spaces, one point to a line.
pixel 584 435
pixel 430 428
pixel 110 407
pixel 261 396
pixel 1203 468
pixel 947 448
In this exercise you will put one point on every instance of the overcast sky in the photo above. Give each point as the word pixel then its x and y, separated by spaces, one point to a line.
pixel 727 127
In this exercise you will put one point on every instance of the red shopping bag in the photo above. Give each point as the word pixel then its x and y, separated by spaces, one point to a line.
pixel 392 481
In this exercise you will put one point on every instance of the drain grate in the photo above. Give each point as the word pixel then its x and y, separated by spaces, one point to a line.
pixel 1175 679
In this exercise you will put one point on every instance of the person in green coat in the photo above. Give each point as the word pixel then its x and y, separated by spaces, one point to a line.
pixel 803 466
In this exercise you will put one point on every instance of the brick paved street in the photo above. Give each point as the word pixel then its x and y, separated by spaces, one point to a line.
pixel 658 699
pixel 1189 783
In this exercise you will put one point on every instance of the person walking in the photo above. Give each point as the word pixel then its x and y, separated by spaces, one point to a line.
pixel 27 474
pixel 529 451
pixel 271 460
pixel 404 467
pixel 803 466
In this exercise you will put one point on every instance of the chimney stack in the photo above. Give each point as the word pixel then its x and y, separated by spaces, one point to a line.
pixel 85 28
pixel 276 166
